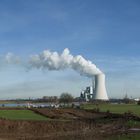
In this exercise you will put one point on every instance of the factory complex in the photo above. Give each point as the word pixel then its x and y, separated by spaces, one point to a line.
pixel 97 91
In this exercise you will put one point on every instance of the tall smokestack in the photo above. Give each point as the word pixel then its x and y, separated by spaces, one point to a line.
pixel 100 89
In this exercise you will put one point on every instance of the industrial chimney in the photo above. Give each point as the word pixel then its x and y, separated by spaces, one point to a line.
pixel 100 89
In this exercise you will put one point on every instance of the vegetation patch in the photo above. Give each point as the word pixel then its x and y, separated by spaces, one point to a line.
pixel 134 136
pixel 114 108
pixel 21 115
pixel 132 123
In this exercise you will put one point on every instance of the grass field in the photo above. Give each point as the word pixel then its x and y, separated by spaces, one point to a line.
pixel 21 115
pixel 134 136
pixel 115 108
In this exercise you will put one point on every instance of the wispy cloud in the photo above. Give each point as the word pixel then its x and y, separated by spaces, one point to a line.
pixel 12 59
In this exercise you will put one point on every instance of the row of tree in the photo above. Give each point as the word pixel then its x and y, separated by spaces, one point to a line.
pixel 64 98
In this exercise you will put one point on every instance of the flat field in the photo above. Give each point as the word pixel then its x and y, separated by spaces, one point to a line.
pixel 21 115
pixel 115 108
pixel 70 124
pixel 134 136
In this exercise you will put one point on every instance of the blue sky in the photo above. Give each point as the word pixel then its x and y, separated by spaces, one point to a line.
pixel 105 32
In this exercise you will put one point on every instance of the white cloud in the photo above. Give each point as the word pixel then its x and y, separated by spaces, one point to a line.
pixel 11 58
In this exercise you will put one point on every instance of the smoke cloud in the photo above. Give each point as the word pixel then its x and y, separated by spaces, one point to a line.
pixel 55 61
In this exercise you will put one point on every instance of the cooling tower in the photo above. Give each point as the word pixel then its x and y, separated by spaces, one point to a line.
pixel 100 89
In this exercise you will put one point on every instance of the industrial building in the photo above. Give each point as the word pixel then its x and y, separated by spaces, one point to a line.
pixel 87 94
pixel 97 91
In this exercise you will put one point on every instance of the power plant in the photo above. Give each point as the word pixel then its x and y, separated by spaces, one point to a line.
pixel 97 91
pixel 54 61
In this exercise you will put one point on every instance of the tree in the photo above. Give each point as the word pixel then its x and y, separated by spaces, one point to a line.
pixel 65 98
pixel 138 102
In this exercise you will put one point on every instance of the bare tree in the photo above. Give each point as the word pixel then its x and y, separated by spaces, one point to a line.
pixel 65 98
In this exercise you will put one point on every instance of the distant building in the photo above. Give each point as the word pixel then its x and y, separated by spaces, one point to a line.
pixel 137 99
pixel 87 94
pixel 98 89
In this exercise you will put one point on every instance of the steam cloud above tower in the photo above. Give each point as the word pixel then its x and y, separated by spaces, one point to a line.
pixel 55 61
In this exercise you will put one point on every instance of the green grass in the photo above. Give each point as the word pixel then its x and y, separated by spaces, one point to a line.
pixel 115 108
pixel 133 123
pixel 21 115
pixel 135 136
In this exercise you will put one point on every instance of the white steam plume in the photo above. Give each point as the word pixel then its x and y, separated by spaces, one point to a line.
pixel 54 61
